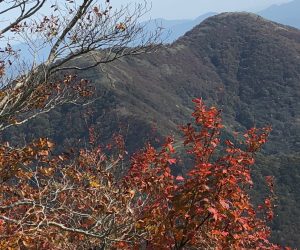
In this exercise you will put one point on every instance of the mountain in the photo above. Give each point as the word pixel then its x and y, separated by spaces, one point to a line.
pixel 246 65
pixel 287 13
pixel 173 29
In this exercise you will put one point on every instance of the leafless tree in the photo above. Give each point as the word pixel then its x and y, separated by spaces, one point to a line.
pixel 88 28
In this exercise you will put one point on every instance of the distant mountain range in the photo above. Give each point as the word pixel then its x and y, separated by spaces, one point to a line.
pixel 173 29
pixel 288 13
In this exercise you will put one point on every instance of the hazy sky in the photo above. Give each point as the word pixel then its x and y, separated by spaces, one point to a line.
pixel 185 9
pixel 188 9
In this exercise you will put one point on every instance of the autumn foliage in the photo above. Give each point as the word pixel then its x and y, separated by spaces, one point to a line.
pixel 209 208
pixel 81 201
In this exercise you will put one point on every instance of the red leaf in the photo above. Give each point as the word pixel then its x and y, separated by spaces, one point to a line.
pixel 224 204
pixel 268 202
pixel 214 212
pixel 179 178
pixel 172 161
pixel 197 100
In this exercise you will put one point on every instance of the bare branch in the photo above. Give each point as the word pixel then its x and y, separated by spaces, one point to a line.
pixel 24 14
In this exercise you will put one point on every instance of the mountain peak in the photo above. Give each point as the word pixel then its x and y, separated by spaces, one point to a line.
pixel 242 14
pixel 232 24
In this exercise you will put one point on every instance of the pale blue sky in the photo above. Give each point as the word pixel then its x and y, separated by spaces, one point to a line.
pixel 185 9
pixel 189 9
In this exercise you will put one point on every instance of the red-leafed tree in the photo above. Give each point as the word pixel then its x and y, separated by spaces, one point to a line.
pixel 209 207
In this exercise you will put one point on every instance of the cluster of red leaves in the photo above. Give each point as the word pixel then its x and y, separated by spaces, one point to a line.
pixel 59 202
pixel 209 208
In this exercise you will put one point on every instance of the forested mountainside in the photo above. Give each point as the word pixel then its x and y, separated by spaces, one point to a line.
pixel 248 66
